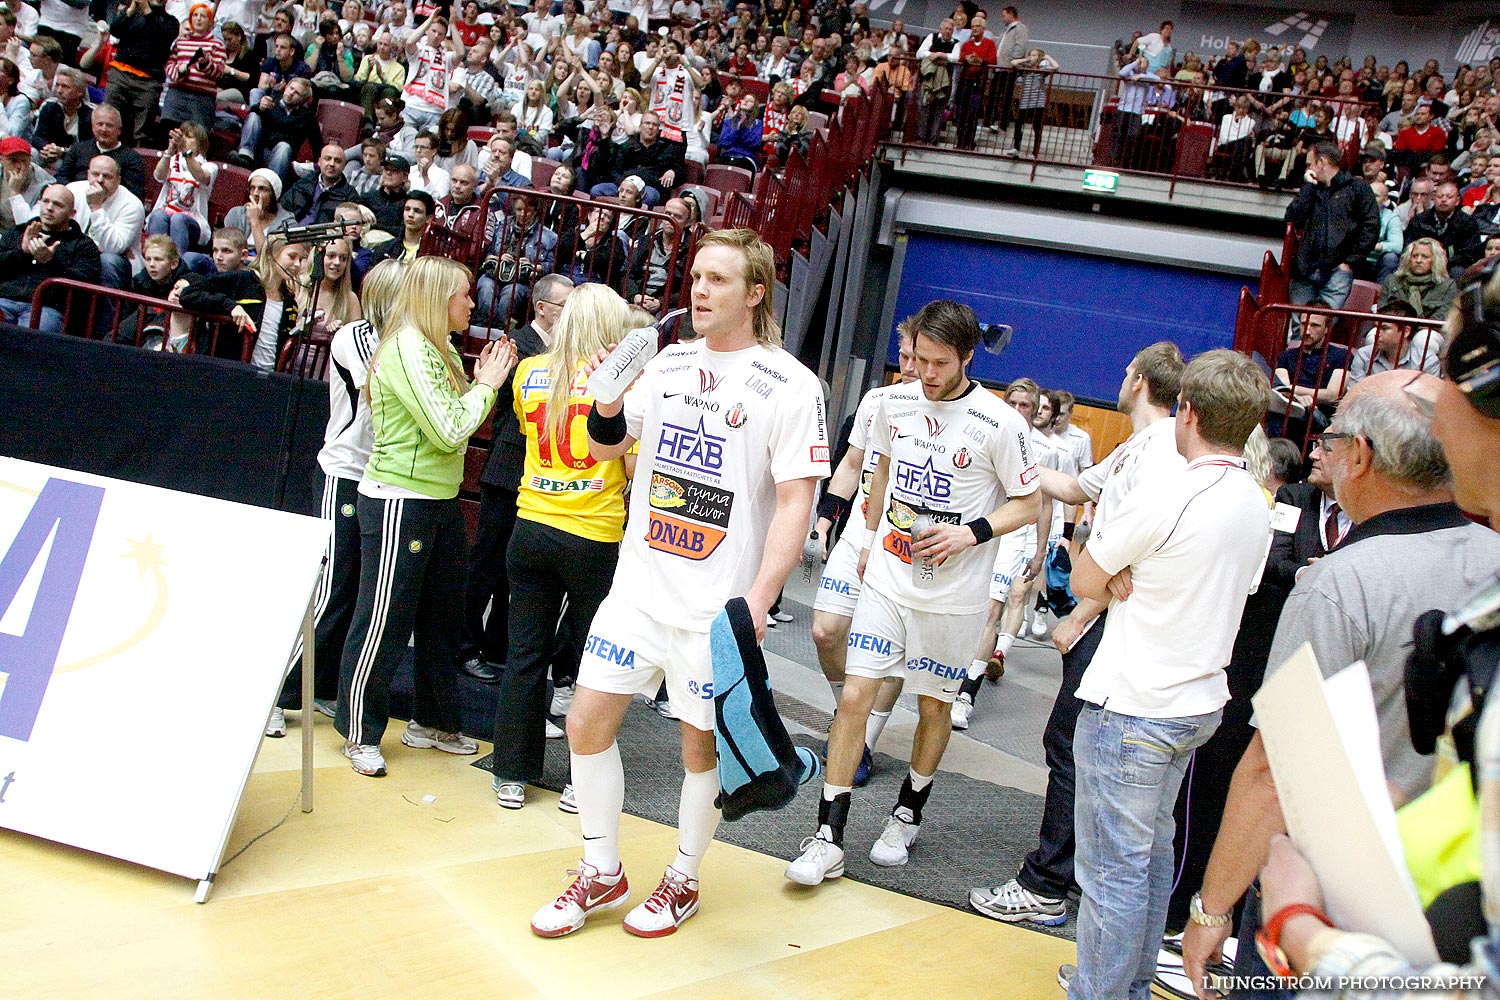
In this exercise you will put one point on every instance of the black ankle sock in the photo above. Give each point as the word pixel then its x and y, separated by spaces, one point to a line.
pixel 834 814
pixel 970 687
pixel 913 800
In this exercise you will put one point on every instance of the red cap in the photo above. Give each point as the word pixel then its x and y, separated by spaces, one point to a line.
pixel 11 145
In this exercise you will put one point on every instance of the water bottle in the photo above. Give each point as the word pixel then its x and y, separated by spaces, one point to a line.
pixel 634 351
pixel 812 549
pixel 922 569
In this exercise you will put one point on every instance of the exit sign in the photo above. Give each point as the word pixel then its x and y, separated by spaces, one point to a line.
pixel 1100 181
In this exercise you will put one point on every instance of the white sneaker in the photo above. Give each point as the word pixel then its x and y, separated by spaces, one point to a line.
pixel 366 759
pixel 568 801
pixel 674 900
pixel 962 706
pixel 1038 626
pixel 553 731
pixel 1012 152
pixel 510 794
pixel 589 892
pixel 326 706
pixel 1014 903
pixel 770 622
pixel 664 708
pixel 276 724
pixel 562 700
pixel 427 738
pixel 782 616
pixel 891 849
pixel 819 860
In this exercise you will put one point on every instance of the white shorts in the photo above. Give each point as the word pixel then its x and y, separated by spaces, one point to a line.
pixel 628 652
pixel 1012 553
pixel 931 651
pixel 838 590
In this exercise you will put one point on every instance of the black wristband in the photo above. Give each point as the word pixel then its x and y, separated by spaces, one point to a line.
pixel 832 506
pixel 606 430
pixel 982 530
pixel 1068 530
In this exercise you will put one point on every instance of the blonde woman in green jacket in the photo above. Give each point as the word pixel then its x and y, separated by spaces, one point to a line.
pixel 412 540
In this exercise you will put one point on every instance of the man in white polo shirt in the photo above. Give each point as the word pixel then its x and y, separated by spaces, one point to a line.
pixel 1176 561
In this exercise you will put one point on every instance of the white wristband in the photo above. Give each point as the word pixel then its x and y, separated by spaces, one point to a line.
pixel 867 538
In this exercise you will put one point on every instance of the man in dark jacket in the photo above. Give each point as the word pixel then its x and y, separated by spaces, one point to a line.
pixel 314 197
pixel 62 120
pixel 276 130
pixel 108 126
pixel 656 161
pixel 1340 223
pixel 1321 525
pixel 488 644
pixel 1231 71
pixel 143 33
pixel 49 246
pixel 1445 222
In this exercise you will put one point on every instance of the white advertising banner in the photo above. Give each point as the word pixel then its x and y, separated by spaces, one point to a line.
pixel 143 638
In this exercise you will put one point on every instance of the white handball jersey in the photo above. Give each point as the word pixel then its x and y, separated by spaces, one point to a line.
pixel 1049 451
pixel 717 432
pixel 349 439
pixel 956 460
pixel 1082 445
pixel 859 437
pixel 1145 456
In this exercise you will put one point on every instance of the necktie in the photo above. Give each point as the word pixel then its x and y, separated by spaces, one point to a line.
pixel 1331 533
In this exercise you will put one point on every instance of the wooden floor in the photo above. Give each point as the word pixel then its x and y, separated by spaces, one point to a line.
pixel 385 892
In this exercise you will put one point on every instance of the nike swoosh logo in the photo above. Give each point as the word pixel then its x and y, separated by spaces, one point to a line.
pixel 670 395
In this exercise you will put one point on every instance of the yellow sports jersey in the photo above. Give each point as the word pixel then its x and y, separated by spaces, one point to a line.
pixel 562 486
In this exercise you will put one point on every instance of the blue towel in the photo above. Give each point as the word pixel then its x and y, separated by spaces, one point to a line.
pixel 759 766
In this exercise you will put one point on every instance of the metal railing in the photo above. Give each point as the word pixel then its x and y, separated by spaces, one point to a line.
pixel 1163 128
pixel 100 313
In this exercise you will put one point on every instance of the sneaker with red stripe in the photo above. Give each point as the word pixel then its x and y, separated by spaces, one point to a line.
pixel 674 900
pixel 589 892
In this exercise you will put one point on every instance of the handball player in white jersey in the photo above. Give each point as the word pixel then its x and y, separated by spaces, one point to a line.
pixel 732 445
pixel 951 450
pixel 838 588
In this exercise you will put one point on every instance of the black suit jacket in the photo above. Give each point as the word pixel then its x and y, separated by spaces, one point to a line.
pixel 507 444
pixel 1292 550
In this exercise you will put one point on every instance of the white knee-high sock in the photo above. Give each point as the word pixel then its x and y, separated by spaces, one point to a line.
pixel 697 819
pixel 599 784
pixel 1003 643
pixel 874 726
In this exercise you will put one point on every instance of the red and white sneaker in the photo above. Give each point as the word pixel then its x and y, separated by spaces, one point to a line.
pixel 994 669
pixel 674 900
pixel 589 892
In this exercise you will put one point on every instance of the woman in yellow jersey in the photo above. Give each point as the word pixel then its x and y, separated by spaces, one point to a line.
pixel 570 517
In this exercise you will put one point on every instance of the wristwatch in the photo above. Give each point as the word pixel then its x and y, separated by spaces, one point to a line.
pixel 1268 938
pixel 1197 916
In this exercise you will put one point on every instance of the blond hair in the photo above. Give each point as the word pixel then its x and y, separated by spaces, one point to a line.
pixel 422 303
pixel 1228 394
pixel 379 291
pixel 760 269
pixel 594 317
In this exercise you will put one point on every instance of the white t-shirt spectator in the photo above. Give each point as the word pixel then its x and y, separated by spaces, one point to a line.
pixel 688 10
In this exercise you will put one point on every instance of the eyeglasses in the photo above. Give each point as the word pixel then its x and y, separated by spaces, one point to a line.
pixel 549 302
pixel 1324 442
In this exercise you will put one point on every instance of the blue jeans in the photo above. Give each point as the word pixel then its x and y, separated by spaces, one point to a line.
pixel 200 263
pixel 278 159
pixel 182 227
pixel 19 313
pixel 496 304
pixel 1334 291
pixel 1129 772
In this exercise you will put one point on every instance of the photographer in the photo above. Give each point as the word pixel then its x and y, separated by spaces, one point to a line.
pixel 193 69
pixel 523 250
pixel 144 34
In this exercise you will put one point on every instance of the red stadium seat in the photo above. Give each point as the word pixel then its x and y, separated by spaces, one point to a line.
pixel 816 120
pixel 153 186
pixel 541 172
pixel 340 121
pixel 692 172
pixel 231 188
pixel 726 178
pixel 480 134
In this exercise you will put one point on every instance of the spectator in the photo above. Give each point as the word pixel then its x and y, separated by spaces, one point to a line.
pixel 1455 230
pixel 1142 91
pixel 273 134
pixel 595 251
pixel 1234 146
pixel 425 174
pixel 522 251
pixel 1034 68
pixel 431 60
pixel 106 124
pixel 231 287
pixel 1486 184
pixel 1386 256
pixel 534 112
pixel 1410 548
pixel 331 300
pixel 1276 138
pixel 655 160
pixel 46 56
pixel 1419 141
pixel 280 67
pixel 590 150
pixel 261 214
pixel 796 137
pixel 1157 49
pixel 1340 223
pixel 331 61
pixel 62 120
pixel 363 168
pixel 1419 198
pixel 144 34
pixel 777 66
pixel 676 90
pixel 1392 346
pixel 49 246
pixel 241 68
pixel 463 210
pixel 1312 373
pixel 506 128
pixel 499 172
pixel 278 266
pixel 194 67
pixel 1422 280
pixel 656 272
pixel 112 217
pixel 24 180
pixel 742 135
pixel 15 106
pixel 774 119
pixel 854 81
pixel 1320 528
pixel 358 222
pixel 976 58
pixel 162 269
pixel 187 176
pixel 478 84
pixel 380 76
pixel 1391 124
pixel 315 195
pixel 418 208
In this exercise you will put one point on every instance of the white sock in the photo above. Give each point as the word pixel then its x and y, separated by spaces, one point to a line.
pixel 919 781
pixel 874 726
pixel 697 819
pixel 1003 643
pixel 977 669
pixel 837 687
pixel 599 785
pixel 831 792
